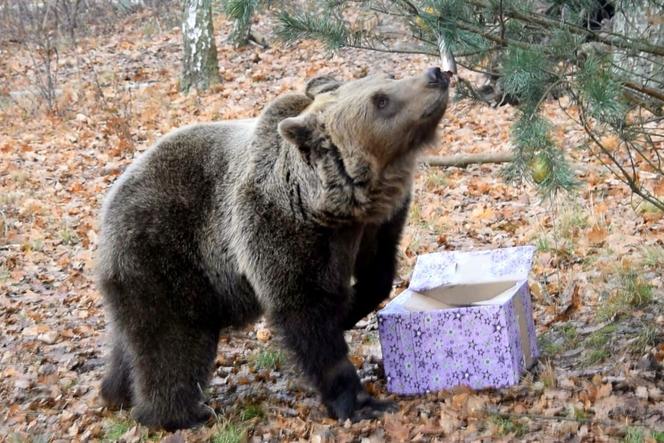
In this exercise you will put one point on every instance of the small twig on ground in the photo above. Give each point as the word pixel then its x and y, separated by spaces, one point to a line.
pixel 588 372
pixel 551 418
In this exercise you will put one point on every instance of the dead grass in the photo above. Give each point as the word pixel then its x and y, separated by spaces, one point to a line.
pixel 632 291
pixel 548 375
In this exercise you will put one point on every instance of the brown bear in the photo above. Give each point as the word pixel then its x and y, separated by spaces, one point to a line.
pixel 220 223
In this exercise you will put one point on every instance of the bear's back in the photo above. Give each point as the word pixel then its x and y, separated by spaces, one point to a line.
pixel 164 198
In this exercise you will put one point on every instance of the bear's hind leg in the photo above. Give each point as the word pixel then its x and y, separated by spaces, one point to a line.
pixel 116 386
pixel 167 314
pixel 170 372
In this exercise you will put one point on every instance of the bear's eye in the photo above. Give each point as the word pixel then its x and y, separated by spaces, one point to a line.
pixel 381 101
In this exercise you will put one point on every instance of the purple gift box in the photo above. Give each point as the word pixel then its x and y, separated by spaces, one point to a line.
pixel 466 319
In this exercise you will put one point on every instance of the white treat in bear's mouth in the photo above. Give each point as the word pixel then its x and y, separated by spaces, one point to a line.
pixel 448 63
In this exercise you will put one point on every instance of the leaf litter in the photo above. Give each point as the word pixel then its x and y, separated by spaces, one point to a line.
pixel 597 282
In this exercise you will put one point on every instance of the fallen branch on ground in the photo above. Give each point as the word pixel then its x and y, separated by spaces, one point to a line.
pixel 463 160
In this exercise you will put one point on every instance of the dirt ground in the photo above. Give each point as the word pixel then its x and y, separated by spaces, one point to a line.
pixel 596 283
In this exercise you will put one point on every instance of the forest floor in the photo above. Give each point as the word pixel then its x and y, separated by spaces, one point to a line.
pixel 596 282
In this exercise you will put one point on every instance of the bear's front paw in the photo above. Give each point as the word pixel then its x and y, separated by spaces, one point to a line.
pixel 369 407
pixel 172 419
pixel 345 398
pixel 358 406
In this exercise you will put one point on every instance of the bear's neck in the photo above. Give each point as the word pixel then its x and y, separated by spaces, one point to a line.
pixel 329 190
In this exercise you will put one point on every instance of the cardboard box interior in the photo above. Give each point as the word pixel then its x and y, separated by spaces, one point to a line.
pixel 455 296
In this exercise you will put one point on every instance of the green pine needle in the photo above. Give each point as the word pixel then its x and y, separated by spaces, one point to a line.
pixel 299 26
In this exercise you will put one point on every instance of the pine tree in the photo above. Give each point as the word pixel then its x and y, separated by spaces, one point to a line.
pixel 533 51
pixel 241 12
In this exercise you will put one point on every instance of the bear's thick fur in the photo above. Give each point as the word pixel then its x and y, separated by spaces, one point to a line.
pixel 220 223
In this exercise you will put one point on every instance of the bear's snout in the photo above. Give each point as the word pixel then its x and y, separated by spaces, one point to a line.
pixel 437 78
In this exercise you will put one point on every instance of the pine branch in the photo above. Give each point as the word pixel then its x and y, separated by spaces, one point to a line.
pixel 467 26
pixel 530 56
pixel 631 180
pixel 615 40
pixel 306 26
pixel 334 34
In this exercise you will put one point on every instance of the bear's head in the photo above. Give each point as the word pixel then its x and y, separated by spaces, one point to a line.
pixel 362 138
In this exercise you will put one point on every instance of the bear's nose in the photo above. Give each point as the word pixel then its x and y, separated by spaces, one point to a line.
pixel 437 78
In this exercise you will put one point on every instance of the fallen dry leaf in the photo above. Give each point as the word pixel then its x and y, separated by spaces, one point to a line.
pixel 659 188
pixel 263 335
pixel 597 234
pixel 610 142
pixel 177 437
pixel 449 421
pixel 397 427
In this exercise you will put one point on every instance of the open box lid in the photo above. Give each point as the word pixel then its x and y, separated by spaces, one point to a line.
pixel 444 269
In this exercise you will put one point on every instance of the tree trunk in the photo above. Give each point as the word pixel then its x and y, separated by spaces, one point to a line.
pixel 200 67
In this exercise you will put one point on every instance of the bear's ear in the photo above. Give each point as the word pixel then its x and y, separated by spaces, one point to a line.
pixel 318 85
pixel 297 130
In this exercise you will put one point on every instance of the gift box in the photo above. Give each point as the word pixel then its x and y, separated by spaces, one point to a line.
pixel 466 319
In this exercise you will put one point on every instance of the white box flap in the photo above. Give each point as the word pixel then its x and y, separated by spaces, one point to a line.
pixel 442 269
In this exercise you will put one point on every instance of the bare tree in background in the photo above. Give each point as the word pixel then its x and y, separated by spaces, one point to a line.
pixel 45 26
pixel 200 67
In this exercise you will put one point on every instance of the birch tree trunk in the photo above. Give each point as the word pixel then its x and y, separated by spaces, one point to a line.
pixel 200 67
